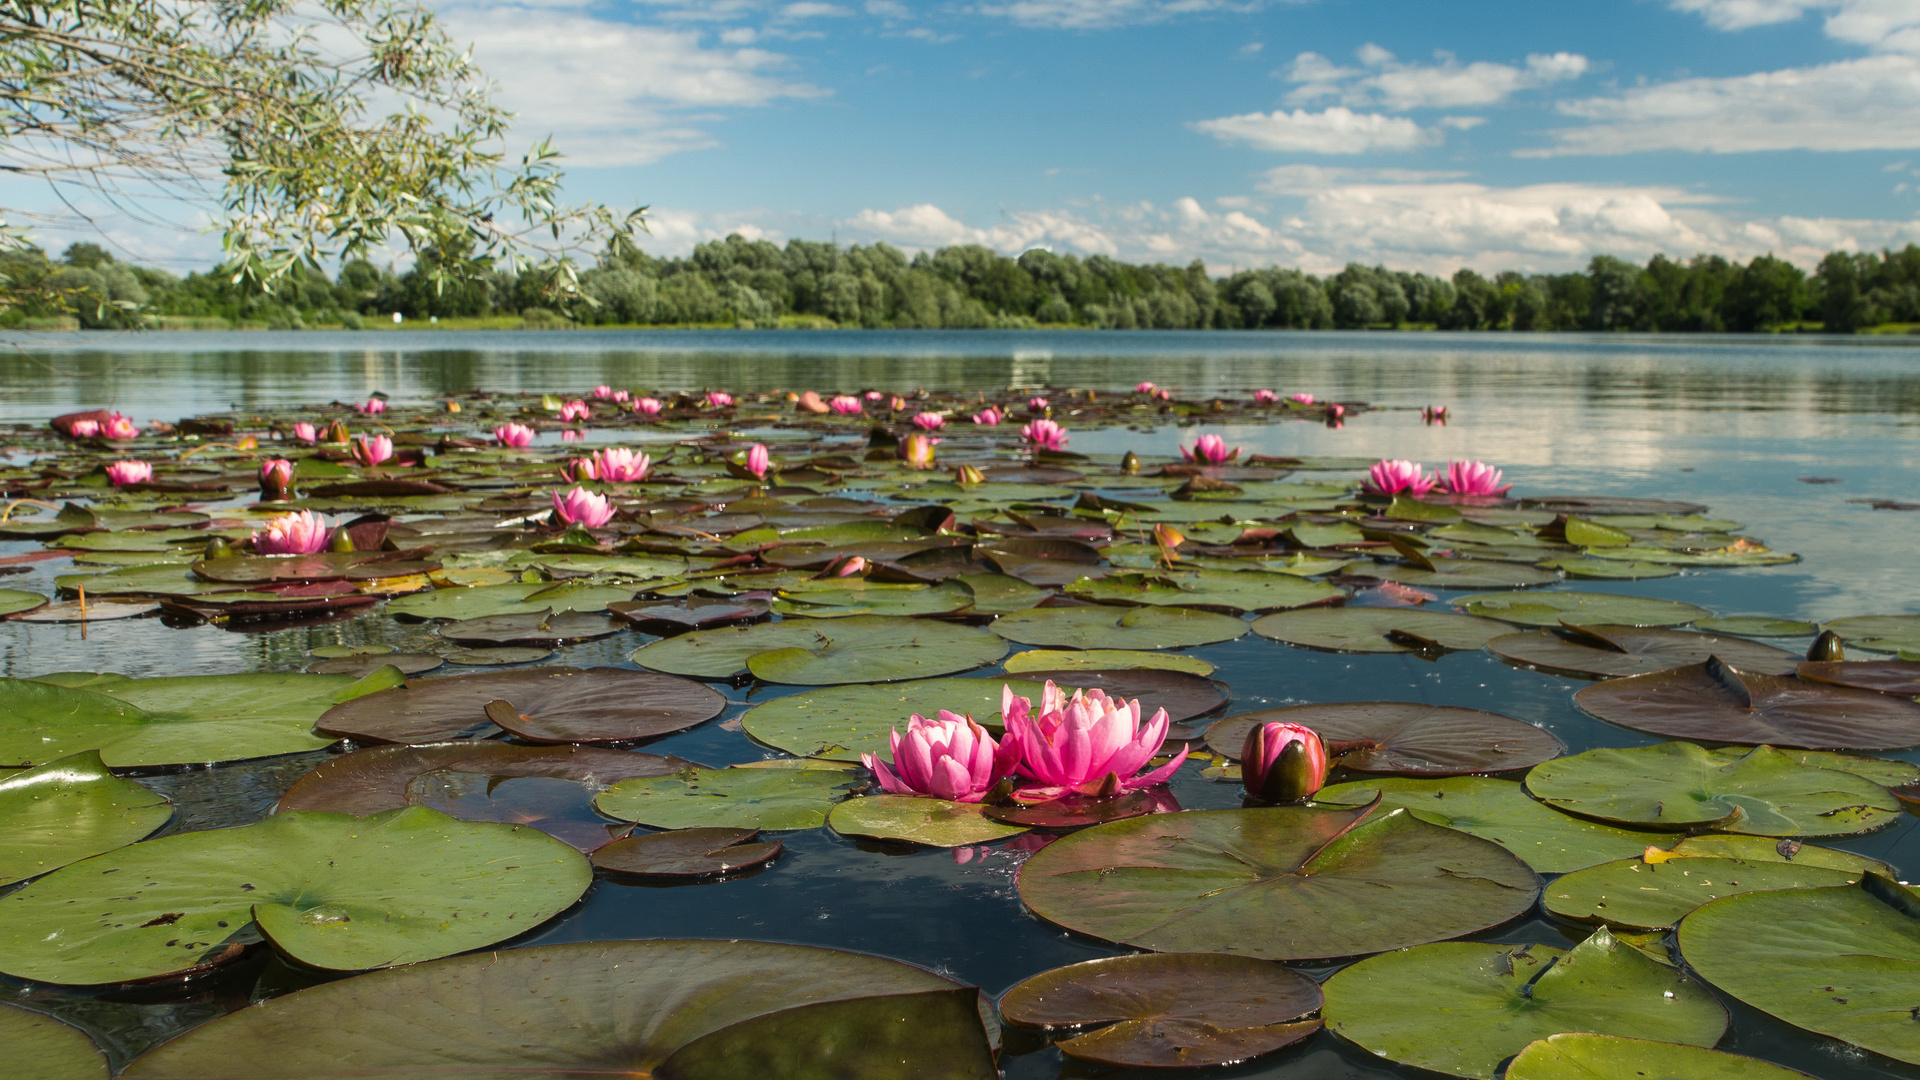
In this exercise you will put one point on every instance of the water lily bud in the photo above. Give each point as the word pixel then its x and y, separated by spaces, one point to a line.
pixel 1283 762
pixel 217 548
pixel 968 474
pixel 1826 647
pixel 341 542
pixel 453 406
pixel 337 432
pixel 1130 464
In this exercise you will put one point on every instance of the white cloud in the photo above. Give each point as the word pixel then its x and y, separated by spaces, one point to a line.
pixel 1337 130
pixel 1385 81
pixel 1872 103
pixel 927 226
pixel 1102 14
pixel 1883 25
pixel 811 10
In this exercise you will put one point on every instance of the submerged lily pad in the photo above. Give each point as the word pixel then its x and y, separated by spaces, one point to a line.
pixel 1378 630
pixel 1634 894
pixel 1284 883
pixel 1464 1007
pixel 1119 628
pixel 1605 651
pixel 1103 660
pixel 934 822
pixel 738 798
pixel 647 1008
pixel 551 704
pixel 686 853
pixel 330 890
pixel 40 1047
pixel 1841 961
pixel 68 810
pixel 184 720
pixel 1586 1056
pixel 1716 702
pixel 1680 784
pixel 1169 1010
pixel 840 723
pixel 1405 737
pixel 1557 608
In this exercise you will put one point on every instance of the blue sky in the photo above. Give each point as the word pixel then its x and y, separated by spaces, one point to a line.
pixel 1420 134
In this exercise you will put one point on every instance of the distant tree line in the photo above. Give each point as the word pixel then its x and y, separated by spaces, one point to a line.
pixel 737 281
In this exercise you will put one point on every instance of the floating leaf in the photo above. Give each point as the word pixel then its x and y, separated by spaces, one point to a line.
pixel 538 628
pixel 68 810
pixel 1405 737
pixel 874 648
pixel 1555 608
pixel 1118 628
pixel 1464 1007
pixel 1608 569
pixel 1751 626
pixel 1900 677
pixel 1184 696
pixel 497 656
pixel 1169 1010
pixel 1285 883
pixel 1881 633
pixel 1760 791
pixel 934 822
pixel 686 853
pixel 740 798
pixel 1244 591
pixel 1716 702
pixel 1377 630
pixel 722 653
pixel 1767 849
pixel 561 808
pixel 524 599
pixel 40 1047
pixel 72 611
pixel 15 601
pixel 553 704
pixel 1603 651
pixel 857 596
pixel 1103 660
pixel 331 891
pixel 1462 574
pixel 1585 1056
pixel 842 722
pixel 1634 894
pixel 184 720
pixel 360 666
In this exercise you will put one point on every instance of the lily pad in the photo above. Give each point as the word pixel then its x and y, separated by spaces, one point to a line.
pixel 737 798
pixel 831 600
pixel 1406 737
pixel 1634 894
pixel 41 1047
pixel 1464 1007
pixel 1900 677
pixel 1462 574
pixel 497 656
pixel 723 652
pixel 648 1008
pixel 1501 811
pixel 537 628
pixel 1716 702
pixel 1608 569
pixel 1752 626
pixel 171 721
pixel 875 648
pixel 1243 591
pixel 1881 633
pixel 1767 849
pixel 1284 883
pixel 1556 608
pixel 1169 1010
pixel 840 723
pixel 1603 651
pixel 68 810
pixel 686 853
pixel 1103 660
pixel 1184 696
pixel 359 666
pixel 1585 1056
pixel 1377 630
pixel 934 822
pixel 1843 961
pixel 553 704
pixel 1119 628
pixel 1760 791
pixel 1076 811
pixel 561 808
pixel 999 594
pixel 524 599
pixel 16 601
pixel 331 891
pixel 72 611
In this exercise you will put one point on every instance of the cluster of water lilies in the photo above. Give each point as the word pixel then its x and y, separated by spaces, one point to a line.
pixel 1401 477
pixel 114 428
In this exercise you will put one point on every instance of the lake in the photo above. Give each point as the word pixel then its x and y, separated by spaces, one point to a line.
pixel 1796 438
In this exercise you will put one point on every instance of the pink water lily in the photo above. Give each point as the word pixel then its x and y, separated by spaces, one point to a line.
pixel 120 428
pixel 573 435
pixel 577 469
pixel 1044 435
pixel 846 405
pixel 84 429
pixel 1209 450
pixel 1283 762
pixel 809 402
pixel 1301 399
pixel 1475 478
pixel 371 449
pixel 988 416
pixel 306 432
pixel 1163 395
pixel 122 473
pixel 374 406
pixel 582 507
pixel 916 450
pixel 518 436
pixel 849 566
pixel 1089 744
pixel 719 399
pixel 929 421
pixel 1143 388
pixel 950 758
pixel 621 396
pixel 1399 478
pixel 1036 405
pixel 622 466
pixel 276 479
pixel 897 403
pixel 1435 414
pixel 1265 397
pixel 646 406
pixel 758 460
pixel 575 410
pixel 603 392
pixel 302 533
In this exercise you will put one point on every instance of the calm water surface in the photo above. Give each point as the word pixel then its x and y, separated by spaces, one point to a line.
pixel 1734 423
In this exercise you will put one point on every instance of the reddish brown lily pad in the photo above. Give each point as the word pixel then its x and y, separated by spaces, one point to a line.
pixel 1716 702
pixel 377 778
pixel 1605 652
pixel 1169 1010
pixel 556 699
pixel 1885 676
pixel 1075 811
pixel 1183 694
pixel 686 853
pixel 1405 738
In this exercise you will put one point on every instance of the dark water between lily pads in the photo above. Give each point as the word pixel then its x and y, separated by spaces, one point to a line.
pixel 1741 425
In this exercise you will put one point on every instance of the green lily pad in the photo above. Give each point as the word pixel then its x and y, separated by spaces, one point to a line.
pixel 829 600
pixel 663 1009
pixel 1843 961
pixel 1585 1056
pixel 43 1048
pixel 1283 883
pixel 330 890
pixel 1592 534
pixel 933 822
pixel 840 723
pixel 1752 626
pixel 1377 630
pixel 1738 556
pixel 1767 849
pixel 1405 737
pixel 876 648
pixel 1634 894
pixel 1244 591
pixel 478 601
pixel 544 704
pixel 1461 574
pixel 15 601
pixel 1118 628
pixel 1553 609
pixel 68 810
pixel 1881 633
pixel 999 594
pixel 1169 1010
pixel 1761 791
pixel 1500 811
pixel 686 853
pixel 1717 702
pixel 740 798
pixel 158 579
pixel 1464 1007
pixel 1103 660
pixel 723 652
pixel 171 721
pixel 1608 569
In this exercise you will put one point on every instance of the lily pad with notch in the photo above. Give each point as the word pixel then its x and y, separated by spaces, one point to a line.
pixel 1900 677
pixel 876 648
pixel 918 820
pixel 597 704
pixel 168 721
pixel 1377 630
pixel 1405 738
pixel 1635 894
pixel 1445 573
pixel 1716 702
pixel 534 628
pixel 560 807
pixel 1586 1056
pixel 1237 592
pixel 20 601
pixel 1881 633
pixel 1106 627
pixel 778 799
pixel 664 619
pixel 44 1047
pixel 687 853
pixel 839 723
pixel 527 598
pixel 71 809
pixel 1600 651
pixel 1103 660
pixel 1555 608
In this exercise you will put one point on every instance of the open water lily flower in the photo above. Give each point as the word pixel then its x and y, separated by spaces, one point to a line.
pixel 371 449
pixel 84 429
pixel 575 410
pixel 621 466
pixel 846 405
pixel 1265 397
pixel 374 407
pixel 1143 388
pixel 129 472
pixel 1283 762
pixel 1044 435
pixel 1036 405
pixel 579 506
pixel 988 416
pixel 603 392
pixel 1475 478
pixel 306 432
pixel 1301 399
pixel 518 436
pixel 759 460
pixel 120 428
pixel 302 533
pixel 1209 450
pixel 646 406
pixel 1088 744
pixel 1399 478
pixel 719 399
pixel 929 421
pixel 809 402
pixel 950 758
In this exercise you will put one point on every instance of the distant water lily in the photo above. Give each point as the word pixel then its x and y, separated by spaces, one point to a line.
pixel 518 436
pixel 575 410
pixel 949 758
pixel 988 416
pixel 1143 387
pixel 929 421
pixel 846 405
pixel 1089 744
pixel 1209 450
pixel 646 406
pixel 1398 478
pixel 374 406
pixel 619 465
pixel 1265 397
pixel 119 428
pixel 1435 414
pixel 621 396
pixel 719 399
pixel 84 429
pixel 579 506
pixel 276 479
pixel 371 449
pixel 306 432
pixel 809 402
pixel 578 469
pixel 1301 399
pixel 1044 435
pixel 1474 478
pixel 1283 762
pixel 759 461
pixel 916 450
pixel 122 473
pixel 898 403
pixel 301 533
pixel 603 392
pixel 875 395
pixel 1036 405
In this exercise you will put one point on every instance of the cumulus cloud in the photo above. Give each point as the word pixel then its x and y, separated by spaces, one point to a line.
pixel 1385 81
pixel 927 226
pixel 1872 103
pixel 1885 25
pixel 1338 130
